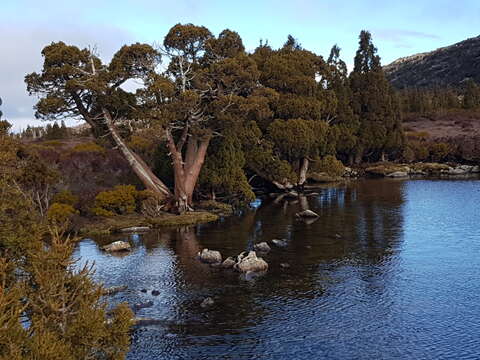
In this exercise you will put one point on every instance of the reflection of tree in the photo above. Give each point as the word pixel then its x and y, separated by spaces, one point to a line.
pixel 359 224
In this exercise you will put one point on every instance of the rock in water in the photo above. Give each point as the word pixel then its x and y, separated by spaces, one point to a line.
pixel 117 246
pixel 284 265
pixel 252 263
pixel 228 263
pixel 307 214
pixel 397 174
pixel 262 247
pixel 155 292
pixel 114 290
pixel 210 256
pixel 135 229
pixel 280 243
pixel 207 302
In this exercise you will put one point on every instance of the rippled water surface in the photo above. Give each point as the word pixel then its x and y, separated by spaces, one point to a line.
pixel 390 270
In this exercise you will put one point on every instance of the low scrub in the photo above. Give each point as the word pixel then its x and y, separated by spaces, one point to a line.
pixel 121 200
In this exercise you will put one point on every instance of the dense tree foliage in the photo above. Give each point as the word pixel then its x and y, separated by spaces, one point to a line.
pixel 376 105
pixel 214 116
pixel 49 308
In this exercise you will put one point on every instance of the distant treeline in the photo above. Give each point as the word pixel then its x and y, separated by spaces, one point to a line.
pixel 434 99
pixel 47 132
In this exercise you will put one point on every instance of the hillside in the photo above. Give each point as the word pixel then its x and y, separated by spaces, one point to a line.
pixel 447 66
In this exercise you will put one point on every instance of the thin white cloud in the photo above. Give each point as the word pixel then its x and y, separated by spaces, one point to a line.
pixel 402 38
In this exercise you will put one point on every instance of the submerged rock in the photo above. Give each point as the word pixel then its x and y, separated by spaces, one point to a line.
pixel 207 302
pixel 252 275
pixel 280 243
pixel 251 263
pixel 117 246
pixel 155 292
pixel 148 321
pixel 142 305
pixel 114 290
pixel 262 247
pixel 307 214
pixel 210 256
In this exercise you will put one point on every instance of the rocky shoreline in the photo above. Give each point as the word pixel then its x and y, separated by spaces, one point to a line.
pixel 398 170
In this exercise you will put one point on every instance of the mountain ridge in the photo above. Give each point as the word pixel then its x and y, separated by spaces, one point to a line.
pixel 446 66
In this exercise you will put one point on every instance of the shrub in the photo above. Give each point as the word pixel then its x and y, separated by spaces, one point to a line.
pixel 53 143
pixel 60 214
pixel 66 197
pixel 88 147
pixel 408 154
pixel 121 200
pixel 331 166
pixel 440 151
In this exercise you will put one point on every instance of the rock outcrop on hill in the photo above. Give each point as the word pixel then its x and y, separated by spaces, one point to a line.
pixel 447 66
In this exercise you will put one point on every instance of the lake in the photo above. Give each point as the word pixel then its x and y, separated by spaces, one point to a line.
pixel 390 270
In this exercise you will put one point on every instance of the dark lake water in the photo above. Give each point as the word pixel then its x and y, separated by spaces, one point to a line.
pixel 390 270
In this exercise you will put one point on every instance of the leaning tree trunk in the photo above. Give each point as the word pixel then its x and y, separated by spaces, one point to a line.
pixel 139 167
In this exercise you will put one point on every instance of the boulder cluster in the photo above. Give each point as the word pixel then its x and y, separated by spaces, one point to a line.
pixel 243 263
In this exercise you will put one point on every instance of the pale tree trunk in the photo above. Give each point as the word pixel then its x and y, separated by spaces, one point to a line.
pixel 383 157
pixel 186 171
pixel 303 172
pixel 139 167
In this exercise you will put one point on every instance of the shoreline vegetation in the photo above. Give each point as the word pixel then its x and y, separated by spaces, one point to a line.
pixel 210 211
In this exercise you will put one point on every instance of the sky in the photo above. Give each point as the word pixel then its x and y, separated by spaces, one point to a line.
pixel 399 28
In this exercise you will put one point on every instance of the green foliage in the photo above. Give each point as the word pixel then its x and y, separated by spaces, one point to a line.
pixel 471 98
pixel 66 197
pixel 330 165
pixel 223 173
pixel 440 151
pixel 55 131
pixel 5 127
pixel 425 101
pixel 375 104
pixel 60 215
pixel 298 138
pixel 121 200
pixel 88 147
pixel 49 309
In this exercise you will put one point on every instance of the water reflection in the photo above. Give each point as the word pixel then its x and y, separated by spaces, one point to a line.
pixel 348 293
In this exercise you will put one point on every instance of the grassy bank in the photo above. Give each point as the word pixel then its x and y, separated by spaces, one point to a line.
pixel 110 225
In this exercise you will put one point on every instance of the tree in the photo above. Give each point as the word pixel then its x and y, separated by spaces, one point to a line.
pixel 199 96
pixel 471 99
pixel 5 126
pixel 74 83
pixel 49 309
pixel 345 125
pixel 303 106
pixel 376 105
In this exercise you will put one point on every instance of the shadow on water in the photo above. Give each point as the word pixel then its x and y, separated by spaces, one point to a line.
pixel 346 293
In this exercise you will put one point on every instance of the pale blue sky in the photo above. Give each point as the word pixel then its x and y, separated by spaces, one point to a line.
pixel 399 28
